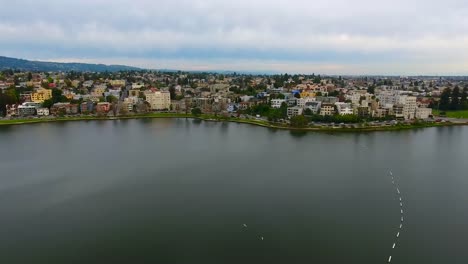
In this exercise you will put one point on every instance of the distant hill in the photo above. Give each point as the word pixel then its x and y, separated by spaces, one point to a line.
pixel 26 65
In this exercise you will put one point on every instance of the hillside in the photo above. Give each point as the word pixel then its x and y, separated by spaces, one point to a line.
pixel 26 65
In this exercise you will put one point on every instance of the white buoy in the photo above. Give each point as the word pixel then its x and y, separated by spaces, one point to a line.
pixel 261 238
pixel 400 199
pixel 402 218
pixel 398 234
pixel 401 211
pixel 401 204
pixel 390 259
pixel 394 244
pixel 245 225
pixel 401 225
pixel 391 173
pixel 398 190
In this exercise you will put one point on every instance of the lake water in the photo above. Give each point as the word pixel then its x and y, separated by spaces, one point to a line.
pixel 181 191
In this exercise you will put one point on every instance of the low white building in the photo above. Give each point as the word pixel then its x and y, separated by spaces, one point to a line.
pixel 276 103
pixel 43 112
pixel 344 108
pixel 301 102
pixel 294 111
pixel 313 106
pixel 423 113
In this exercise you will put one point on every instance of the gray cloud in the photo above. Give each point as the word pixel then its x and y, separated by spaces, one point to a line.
pixel 418 32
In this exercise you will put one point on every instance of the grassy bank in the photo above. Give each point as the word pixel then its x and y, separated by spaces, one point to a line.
pixel 452 114
pixel 363 128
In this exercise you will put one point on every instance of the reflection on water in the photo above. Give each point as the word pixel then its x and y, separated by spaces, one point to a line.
pixel 180 190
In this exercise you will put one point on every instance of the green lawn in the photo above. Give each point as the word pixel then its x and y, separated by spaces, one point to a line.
pixel 453 114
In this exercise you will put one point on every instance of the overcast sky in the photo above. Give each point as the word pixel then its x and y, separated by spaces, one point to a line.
pixel 402 37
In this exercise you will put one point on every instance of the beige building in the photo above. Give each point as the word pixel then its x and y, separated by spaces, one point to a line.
pixel 423 113
pixel 409 106
pixel 40 95
pixel 117 82
pixel 327 109
pixel 158 100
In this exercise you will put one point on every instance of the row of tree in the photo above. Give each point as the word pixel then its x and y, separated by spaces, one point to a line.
pixel 454 99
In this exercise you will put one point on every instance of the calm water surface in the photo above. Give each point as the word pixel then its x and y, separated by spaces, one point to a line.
pixel 180 191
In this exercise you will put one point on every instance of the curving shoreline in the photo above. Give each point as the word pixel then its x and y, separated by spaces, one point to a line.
pixel 232 120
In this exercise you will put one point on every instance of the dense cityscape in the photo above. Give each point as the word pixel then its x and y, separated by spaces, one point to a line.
pixel 295 100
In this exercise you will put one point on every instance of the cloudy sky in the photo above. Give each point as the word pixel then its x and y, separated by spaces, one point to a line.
pixel 402 37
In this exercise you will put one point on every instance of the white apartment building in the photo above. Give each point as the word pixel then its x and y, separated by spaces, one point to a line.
pixel 423 113
pixel 158 100
pixel 43 111
pixel 344 108
pixel 388 97
pixel 276 103
pixel 294 111
pixel 409 106
pixel 301 102
pixel 314 106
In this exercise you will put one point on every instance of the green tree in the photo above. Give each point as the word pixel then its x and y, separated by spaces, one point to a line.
pixel 444 103
pixel 308 112
pixel 371 89
pixel 196 111
pixel 299 121
pixel 455 103
pixel 48 103
pixel 464 98
pixel 112 99
pixel 172 91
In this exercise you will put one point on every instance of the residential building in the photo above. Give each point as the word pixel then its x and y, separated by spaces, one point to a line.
pixel 276 103
pixel 103 107
pixel 118 83
pixel 99 90
pixel 302 101
pixel 423 113
pixel 158 100
pixel 11 110
pixel 294 111
pixel 327 99
pixel 87 107
pixel 409 106
pixel 40 95
pixel 344 108
pixel 26 110
pixel 64 108
pixel 43 111
pixel 313 106
pixel 327 109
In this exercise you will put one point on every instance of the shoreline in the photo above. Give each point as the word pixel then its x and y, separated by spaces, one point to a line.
pixel 211 118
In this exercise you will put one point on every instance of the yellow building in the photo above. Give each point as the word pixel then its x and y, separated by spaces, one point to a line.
pixel 117 82
pixel 306 94
pixel 41 95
